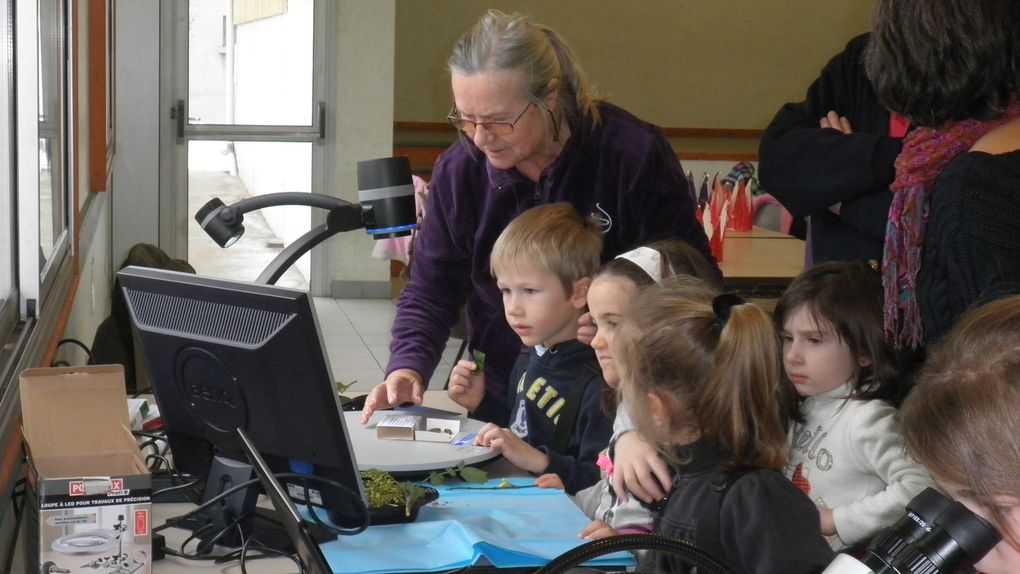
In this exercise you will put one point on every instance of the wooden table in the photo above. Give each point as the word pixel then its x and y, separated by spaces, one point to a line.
pixel 761 262
pixel 759 232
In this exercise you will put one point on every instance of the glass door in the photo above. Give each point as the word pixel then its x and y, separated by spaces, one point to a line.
pixel 247 114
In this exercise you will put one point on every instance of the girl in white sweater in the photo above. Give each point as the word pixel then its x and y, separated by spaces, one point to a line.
pixel 846 448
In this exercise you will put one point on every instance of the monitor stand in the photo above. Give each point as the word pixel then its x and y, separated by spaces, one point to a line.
pixel 218 524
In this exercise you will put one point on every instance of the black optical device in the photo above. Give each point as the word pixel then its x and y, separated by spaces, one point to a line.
pixel 385 209
pixel 935 536
pixel 307 550
pixel 223 355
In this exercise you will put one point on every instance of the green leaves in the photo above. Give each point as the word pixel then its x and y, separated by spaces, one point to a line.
pixel 472 474
pixel 464 472
pixel 413 494
pixel 479 357
pixel 383 490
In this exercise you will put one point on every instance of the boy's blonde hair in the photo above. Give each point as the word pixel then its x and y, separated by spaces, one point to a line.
pixel 554 236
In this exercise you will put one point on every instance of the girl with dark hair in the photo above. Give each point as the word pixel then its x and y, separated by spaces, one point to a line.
pixel 952 68
pixel 699 373
pixel 846 450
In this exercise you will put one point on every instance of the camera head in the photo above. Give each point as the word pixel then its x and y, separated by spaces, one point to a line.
pixel 935 536
pixel 386 194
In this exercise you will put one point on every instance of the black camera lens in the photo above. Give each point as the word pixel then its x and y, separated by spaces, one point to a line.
pixel 922 512
pixel 960 538
pixel 386 194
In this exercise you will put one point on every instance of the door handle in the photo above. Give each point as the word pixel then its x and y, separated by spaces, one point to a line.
pixel 322 120
pixel 177 113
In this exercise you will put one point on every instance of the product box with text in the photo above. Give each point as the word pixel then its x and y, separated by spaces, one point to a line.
pixel 88 497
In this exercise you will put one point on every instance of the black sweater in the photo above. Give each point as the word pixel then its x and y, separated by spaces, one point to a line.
pixel 761 524
pixel 541 387
pixel 972 249
pixel 809 169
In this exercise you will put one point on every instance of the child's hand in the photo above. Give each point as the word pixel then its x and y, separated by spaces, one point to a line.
pixel 586 329
pixel 597 529
pixel 638 469
pixel 467 385
pixel 549 480
pixel 519 453
pixel 828 522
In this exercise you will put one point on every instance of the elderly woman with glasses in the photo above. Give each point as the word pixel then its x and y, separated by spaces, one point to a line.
pixel 531 133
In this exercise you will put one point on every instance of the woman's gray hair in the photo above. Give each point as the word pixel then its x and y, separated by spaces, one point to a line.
pixel 512 42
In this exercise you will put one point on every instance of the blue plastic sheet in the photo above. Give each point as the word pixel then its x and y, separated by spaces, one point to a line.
pixel 509 527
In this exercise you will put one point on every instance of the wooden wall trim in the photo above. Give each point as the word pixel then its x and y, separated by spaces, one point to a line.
pixel 444 127
pixel 423 142
pixel 712 133
pixel 100 100
pixel 424 127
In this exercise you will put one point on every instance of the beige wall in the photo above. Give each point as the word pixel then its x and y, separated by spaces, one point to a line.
pixel 678 63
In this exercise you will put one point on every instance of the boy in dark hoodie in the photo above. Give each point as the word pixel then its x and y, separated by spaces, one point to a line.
pixel 551 420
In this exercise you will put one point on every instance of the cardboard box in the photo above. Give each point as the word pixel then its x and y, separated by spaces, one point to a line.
pixel 417 427
pixel 88 506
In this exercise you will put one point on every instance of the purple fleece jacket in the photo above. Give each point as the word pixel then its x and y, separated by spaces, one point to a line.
pixel 623 171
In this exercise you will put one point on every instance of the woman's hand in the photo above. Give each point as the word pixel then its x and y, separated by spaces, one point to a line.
pixel 596 530
pixel 467 385
pixel 401 386
pixel 549 480
pixel 638 469
pixel 513 448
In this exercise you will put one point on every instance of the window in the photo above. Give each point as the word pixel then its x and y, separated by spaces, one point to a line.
pixel 8 274
pixel 53 127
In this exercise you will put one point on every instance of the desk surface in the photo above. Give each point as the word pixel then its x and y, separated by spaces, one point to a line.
pixel 759 232
pixel 755 261
pixel 409 455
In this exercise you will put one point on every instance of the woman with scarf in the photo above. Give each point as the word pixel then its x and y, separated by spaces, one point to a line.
pixel 952 67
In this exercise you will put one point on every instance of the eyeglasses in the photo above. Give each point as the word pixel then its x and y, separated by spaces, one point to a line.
pixel 494 128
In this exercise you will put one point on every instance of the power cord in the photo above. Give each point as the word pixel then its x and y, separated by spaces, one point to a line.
pixel 241 554
pixel 77 343
pixel 178 487
pixel 266 552
pixel 366 516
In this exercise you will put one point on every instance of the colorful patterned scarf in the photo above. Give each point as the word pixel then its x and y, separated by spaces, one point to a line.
pixel 926 152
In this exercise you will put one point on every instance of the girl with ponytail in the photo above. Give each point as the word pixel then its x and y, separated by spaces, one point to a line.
pixel 700 374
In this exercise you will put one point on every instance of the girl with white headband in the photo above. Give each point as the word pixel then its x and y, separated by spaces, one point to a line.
pixel 634 477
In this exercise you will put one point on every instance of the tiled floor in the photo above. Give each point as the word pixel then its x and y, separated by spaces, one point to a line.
pixel 356 333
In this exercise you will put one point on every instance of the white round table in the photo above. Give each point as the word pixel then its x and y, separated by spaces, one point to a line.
pixel 409 455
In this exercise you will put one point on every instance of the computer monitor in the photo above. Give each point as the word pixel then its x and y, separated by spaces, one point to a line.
pixel 223 355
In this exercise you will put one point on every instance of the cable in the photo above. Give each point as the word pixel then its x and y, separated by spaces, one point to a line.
pixel 243 485
pixel 682 548
pixel 177 487
pixel 140 392
pixel 315 515
pixel 18 508
pixel 266 553
pixel 196 535
pixel 207 504
pixel 84 347
pixel 149 434
pixel 160 461
pixel 242 553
